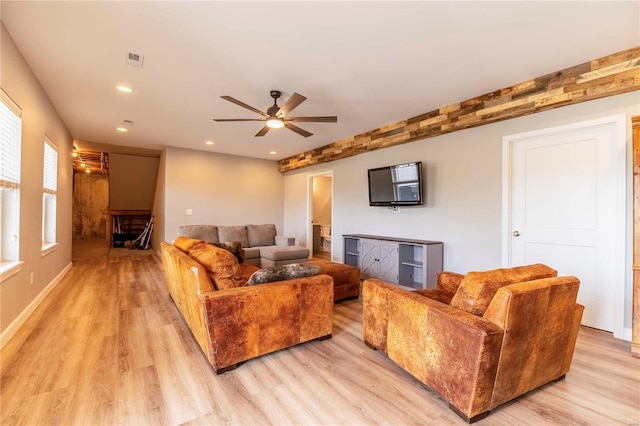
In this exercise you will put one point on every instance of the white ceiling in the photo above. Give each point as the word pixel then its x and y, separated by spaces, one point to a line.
pixel 369 63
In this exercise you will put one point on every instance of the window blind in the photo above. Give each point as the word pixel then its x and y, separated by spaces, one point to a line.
pixel 10 137
pixel 50 183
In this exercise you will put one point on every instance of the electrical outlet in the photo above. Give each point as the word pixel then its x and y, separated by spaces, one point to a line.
pixel 31 283
pixel 189 212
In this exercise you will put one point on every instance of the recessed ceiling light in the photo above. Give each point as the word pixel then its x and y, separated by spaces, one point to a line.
pixel 87 171
pixel 209 142
pixel 121 129
pixel 125 89
pixel 272 152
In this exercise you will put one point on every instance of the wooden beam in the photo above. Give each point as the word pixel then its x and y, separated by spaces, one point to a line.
pixel 612 75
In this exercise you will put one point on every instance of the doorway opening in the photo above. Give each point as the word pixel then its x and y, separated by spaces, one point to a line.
pixel 321 215
pixel 90 203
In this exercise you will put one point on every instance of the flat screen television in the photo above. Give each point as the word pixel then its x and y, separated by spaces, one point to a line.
pixel 398 185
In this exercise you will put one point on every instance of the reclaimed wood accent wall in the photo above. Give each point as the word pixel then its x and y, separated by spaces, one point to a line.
pixel 90 205
pixel 612 75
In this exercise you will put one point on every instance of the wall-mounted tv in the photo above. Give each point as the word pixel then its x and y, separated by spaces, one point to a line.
pixel 399 185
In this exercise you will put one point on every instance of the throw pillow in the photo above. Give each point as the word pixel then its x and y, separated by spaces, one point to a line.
pixel 220 264
pixel 478 288
pixel 186 243
pixel 261 235
pixel 233 233
pixel 235 247
pixel 282 273
pixel 208 233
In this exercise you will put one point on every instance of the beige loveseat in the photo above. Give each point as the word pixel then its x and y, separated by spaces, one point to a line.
pixel 233 321
pixel 262 247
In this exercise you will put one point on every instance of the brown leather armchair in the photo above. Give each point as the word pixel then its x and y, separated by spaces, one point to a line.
pixel 481 339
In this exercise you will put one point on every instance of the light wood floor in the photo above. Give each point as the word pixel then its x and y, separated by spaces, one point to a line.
pixel 108 347
pixel 324 255
pixel 83 249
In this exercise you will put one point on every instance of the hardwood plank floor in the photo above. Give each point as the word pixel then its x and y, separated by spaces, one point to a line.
pixel 88 249
pixel 321 255
pixel 108 346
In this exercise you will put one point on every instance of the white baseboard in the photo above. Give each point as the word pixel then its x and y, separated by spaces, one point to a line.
pixel 626 334
pixel 11 330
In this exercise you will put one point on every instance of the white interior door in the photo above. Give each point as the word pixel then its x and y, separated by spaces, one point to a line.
pixel 565 207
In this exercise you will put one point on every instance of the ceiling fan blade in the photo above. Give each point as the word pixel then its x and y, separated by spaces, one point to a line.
pixel 295 100
pixel 297 129
pixel 331 119
pixel 243 105
pixel 238 119
pixel 263 131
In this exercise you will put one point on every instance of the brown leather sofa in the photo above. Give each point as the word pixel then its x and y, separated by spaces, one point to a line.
pixel 233 322
pixel 480 339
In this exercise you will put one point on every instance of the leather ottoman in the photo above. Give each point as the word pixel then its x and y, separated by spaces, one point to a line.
pixel 346 278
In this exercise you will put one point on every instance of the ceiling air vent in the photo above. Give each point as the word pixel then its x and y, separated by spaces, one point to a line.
pixel 134 60
pixel 127 122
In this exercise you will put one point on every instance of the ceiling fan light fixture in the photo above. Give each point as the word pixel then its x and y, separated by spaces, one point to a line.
pixel 125 89
pixel 277 117
pixel 275 123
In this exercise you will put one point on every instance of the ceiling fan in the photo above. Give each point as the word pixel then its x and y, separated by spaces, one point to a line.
pixel 276 117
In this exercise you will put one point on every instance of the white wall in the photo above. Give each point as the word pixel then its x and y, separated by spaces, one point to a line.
pixel 322 200
pixel 159 204
pixel 220 190
pixel 132 181
pixel 463 189
pixel 18 295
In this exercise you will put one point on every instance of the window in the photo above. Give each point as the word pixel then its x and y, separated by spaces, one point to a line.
pixel 49 194
pixel 406 182
pixel 10 142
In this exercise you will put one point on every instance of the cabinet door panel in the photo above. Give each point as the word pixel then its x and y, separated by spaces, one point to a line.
pixel 388 264
pixel 369 256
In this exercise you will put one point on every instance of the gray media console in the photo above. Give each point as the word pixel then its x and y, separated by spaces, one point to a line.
pixel 413 264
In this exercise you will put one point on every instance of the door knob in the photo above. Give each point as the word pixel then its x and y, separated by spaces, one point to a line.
pixel 516 233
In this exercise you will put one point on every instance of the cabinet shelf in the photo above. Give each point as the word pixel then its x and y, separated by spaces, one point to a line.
pixel 352 252
pixel 413 285
pixel 416 264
